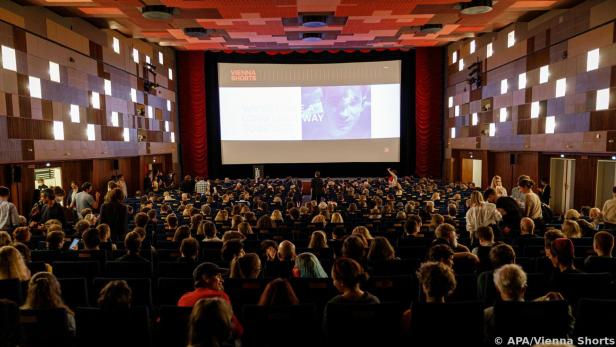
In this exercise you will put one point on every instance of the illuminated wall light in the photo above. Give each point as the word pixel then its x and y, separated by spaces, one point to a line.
pixel 58 130
pixel 34 84
pixel 503 114
pixel 550 124
pixel 150 112
pixel 74 112
pixel 492 130
pixel 115 44
pixel 96 100
pixel 169 105
pixel 172 137
pixel 522 80
pixel 450 102
pixel 147 59
pixel 510 39
pixel 461 65
pixel 107 87
pixel 135 55
pixel 504 86
pixel 603 99
pixel 456 111
pixel 170 74
pixel 592 60
pixel 161 58
pixel 126 135
pixel 90 132
pixel 167 126
pixel 9 61
pixel 562 155
pixel 115 119
pixel 544 74
pixel 561 87
pixel 133 95
pixel 454 57
pixel 473 46
pixel 489 50
pixel 535 109
pixel 474 119
pixel 453 133
pixel 54 72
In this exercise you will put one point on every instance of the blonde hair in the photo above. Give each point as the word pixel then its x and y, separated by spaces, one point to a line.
pixel 318 239
pixel 5 238
pixel 44 292
pixel 363 232
pixel 571 229
pixel 337 218
pixel 319 219
pixel 493 184
pixel 572 214
pixel 277 216
pixel 221 216
pixel 476 198
pixel 12 264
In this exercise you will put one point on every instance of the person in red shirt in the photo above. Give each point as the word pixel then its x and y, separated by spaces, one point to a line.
pixel 209 284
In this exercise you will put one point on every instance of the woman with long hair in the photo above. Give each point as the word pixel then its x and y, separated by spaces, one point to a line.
pixel 44 293
pixel 12 264
pixel 307 265
pixel 497 185
pixel 481 214
pixel 210 324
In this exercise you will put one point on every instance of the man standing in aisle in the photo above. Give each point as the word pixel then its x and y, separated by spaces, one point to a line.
pixel 316 186
pixel 609 212
pixel 84 199
pixel 9 217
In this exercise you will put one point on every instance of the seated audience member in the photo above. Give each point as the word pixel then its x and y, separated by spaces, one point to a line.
pixel 486 242
pixel 181 233
pixel 132 243
pixel 286 251
pixel 436 281
pixel 12 264
pixel 91 241
pixel 561 254
pixel 545 265
pixel 269 250
pixel 245 229
pixel 527 232
pixel 364 233
pixel 247 266
pixel 381 250
pixel 55 240
pixel 500 255
pixel 347 275
pixel 354 247
pixel 435 221
pixel 233 235
pixel 5 238
pixel 231 250
pixel 603 261
pixel 22 234
pixel 189 250
pixel 209 284
pixel 10 334
pixel 278 292
pixel 571 229
pixel 318 240
pixel 80 228
pixel 235 221
pixel 209 232
pixel 91 219
pixel 336 218
pixel 212 323
pixel 412 227
pixel 104 234
pixel 44 293
pixel 448 233
pixel 115 296
pixel 319 220
pixel 307 265
pixel 265 224
pixel 171 223
pixel 441 253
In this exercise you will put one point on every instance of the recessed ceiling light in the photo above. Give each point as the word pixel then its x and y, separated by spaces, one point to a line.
pixel 476 7
pixel 157 12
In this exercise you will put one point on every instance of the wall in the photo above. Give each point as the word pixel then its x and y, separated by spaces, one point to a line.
pixel 86 59
pixel 559 39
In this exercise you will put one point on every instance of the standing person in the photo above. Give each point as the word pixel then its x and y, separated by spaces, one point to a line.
pixel 517 194
pixel 481 214
pixel 51 209
pixel 202 186
pixel 188 185
pixel 148 182
pixel 70 197
pixel 393 178
pixel 532 202
pixel 546 191
pixel 316 186
pixel 609 211
pixel 121 183
pixel 497 185
pixel 115 214
pixel 84 199
pixel 9 217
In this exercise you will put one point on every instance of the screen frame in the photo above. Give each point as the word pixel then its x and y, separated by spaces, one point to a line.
pixel 407 114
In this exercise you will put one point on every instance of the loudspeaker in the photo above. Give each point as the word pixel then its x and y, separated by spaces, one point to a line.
pixel 17 174
pixel 116 164
pixel 513 159
pixel 12 174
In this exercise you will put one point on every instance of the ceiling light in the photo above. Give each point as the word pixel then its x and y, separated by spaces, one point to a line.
pixel 430 28
pixel 157 12
pixel 476 7
pixel 311 37
pixel 313 21
pixel 198 32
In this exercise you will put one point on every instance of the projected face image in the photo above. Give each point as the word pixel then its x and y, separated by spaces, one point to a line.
pixel 337 112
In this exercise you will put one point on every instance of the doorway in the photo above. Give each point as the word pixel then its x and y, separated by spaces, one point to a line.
pixel 606 180
pixel 51 177
pixel 471 171
pixel 562 178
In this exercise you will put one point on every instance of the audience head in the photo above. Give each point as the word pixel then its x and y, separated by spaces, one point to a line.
pixel 527 226
pixel 286 251
pixel 485 234
pixel 12 264
pixel 132 242
pixel 562 253
pixel 55 240
pixel 22 234
pixel 278 292
pixel 44 292
pixel 115 295
pixel 447 232
pixel 4 193
pixel 571 229
pixel 502 254
pixel 247 266
pixel 362 232
pixel 209 275
pixel 441 253
pixel 510 281
pixel 189 248
pixel 572 214
pixel 318 240
pixel 347 274
pixel 309 266
pixel 603 243
pixel 549 237
pixel 181 233
pixel 210 323
pixel 5 238
pixel 437 281
pixel 91 240
pixel 476 198
pixel 354 247
pixel 269 249
pixel 381 250
pixel 141 219
pixel 232 249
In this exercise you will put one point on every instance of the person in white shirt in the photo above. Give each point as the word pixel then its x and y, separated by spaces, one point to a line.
pixel 202 186
pixel 121 183
pixel 9 217
pixel 609 211
pixel 497 185
pixel 480 214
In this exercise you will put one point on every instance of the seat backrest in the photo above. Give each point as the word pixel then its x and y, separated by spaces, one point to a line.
pixel 170 289
pixel 45 327
pixel 466 320
pixel 175 269
pixel 574 286
pixel 173 325
pixel 466 288
pixel 12 290
pixel 595 318
pixel 297 323
pixel 74 292
pixel 541 318
pixel 403 289
pixel 141 289
pixel 128 269
pixel 363 324
pixel 123 328
pixel 76 269
pixel 244 291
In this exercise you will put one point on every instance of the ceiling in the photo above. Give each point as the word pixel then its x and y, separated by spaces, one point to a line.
pixel 274 25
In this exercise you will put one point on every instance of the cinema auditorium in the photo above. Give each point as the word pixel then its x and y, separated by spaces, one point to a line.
pixel 281 173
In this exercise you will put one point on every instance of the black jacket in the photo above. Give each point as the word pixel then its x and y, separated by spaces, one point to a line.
pixel 115 215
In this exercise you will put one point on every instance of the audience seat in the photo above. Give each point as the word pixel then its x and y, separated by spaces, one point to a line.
pixel 278 326
pixel 74 292
pixel 171 289
pixel 313 290
pixel 543 318
pixel 76 269
pixel 36 267
pixel 128 269
pixel 175 269
pixel 363 324
pixel 45 328
pixel 12 290
pixel 243 291
pixel 575 286
pixel 465 324
pixel 404 289
pixel 173 326
pixel 124 328
pixel 595 318
pixel 466 288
